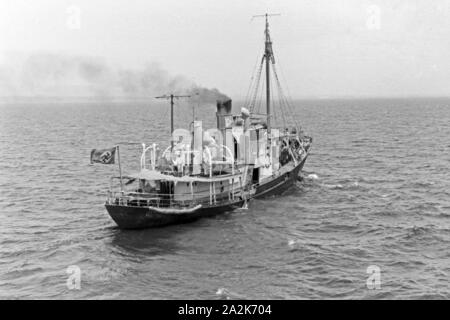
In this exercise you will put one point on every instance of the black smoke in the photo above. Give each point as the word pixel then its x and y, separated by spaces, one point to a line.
pixel 68 76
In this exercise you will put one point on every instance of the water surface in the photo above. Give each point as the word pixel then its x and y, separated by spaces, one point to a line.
pixel 376 191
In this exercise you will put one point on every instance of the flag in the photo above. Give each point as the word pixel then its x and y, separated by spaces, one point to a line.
pixel 105 156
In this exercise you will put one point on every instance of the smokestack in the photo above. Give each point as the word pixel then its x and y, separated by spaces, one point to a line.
pixel 224 107
pixel 223 114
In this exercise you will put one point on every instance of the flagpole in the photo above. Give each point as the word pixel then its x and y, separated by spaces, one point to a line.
pixel 120 168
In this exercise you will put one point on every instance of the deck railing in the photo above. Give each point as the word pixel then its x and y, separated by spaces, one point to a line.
pixel 142 199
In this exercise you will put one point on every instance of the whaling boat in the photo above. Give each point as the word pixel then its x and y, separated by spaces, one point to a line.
pixel 208 172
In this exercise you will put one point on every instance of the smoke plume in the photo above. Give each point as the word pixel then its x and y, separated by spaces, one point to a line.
pixel 51 75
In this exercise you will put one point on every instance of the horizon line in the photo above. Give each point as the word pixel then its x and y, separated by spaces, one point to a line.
pixel 239 98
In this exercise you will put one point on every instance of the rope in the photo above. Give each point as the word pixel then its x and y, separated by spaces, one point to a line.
pixel 283 96
pixel 273 104
pixel 255 93
pixel 290 98
pixel 247 96
pixel 261 96
pixel 284 101
pixel 280 99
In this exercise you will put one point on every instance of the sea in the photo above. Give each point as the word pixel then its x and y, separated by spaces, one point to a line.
pixel 369 217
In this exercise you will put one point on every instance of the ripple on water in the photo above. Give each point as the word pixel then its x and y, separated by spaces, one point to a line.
pixel 374 192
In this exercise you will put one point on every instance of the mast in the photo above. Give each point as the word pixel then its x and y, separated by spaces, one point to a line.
pixel 268 56
pixel 171 97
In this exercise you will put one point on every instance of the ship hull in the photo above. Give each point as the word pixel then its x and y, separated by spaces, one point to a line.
pixel 129 217
pixel 134 217
pixel 279 184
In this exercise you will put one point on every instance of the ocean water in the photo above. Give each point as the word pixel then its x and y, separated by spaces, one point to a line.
pixel 375 195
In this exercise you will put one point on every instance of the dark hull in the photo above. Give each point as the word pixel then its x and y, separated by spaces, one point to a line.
pixel 279 184
pixel 128 217
pixel 134 217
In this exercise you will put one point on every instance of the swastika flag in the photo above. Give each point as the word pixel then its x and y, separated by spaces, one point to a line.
pixel 105 156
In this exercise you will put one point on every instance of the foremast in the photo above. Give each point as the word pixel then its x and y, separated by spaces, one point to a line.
pixel 268 57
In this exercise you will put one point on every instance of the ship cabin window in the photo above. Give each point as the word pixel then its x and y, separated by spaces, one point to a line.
pixel 236 149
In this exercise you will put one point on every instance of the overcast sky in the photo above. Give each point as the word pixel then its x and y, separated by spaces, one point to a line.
pixel 323 47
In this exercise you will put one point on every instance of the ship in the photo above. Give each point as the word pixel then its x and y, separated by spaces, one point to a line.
pixel 209 172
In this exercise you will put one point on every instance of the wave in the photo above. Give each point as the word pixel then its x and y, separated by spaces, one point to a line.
pixel 227 294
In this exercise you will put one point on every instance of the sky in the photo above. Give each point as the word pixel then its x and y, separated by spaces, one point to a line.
pixel 324 48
